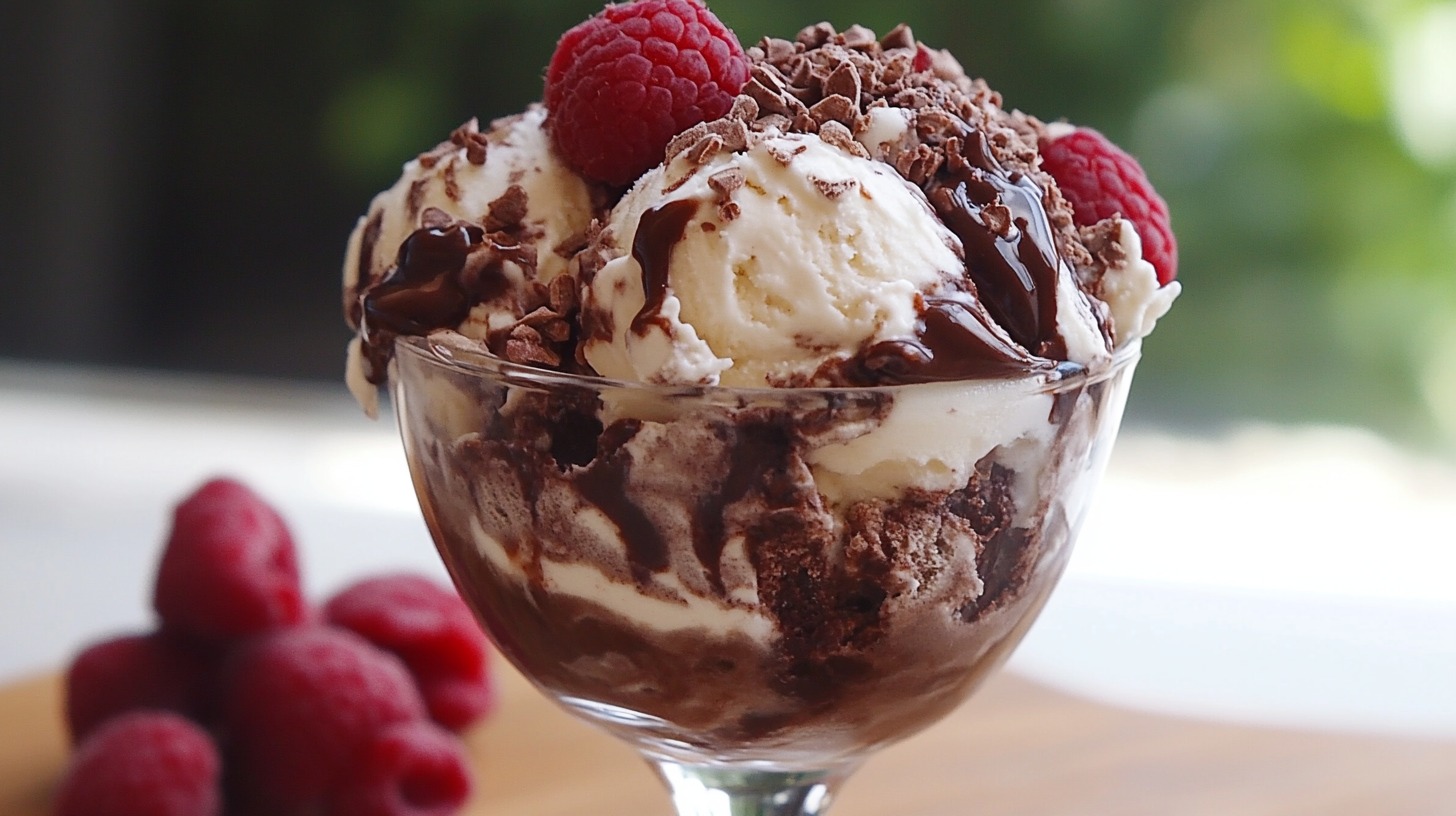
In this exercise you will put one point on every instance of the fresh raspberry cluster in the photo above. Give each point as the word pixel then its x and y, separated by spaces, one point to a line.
pixel 626 81
pixel 244 699
pixel 1100 180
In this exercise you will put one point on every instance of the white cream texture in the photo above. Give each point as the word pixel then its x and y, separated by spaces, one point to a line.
pixel 518 152
pixel 799 277
pixel 1131 290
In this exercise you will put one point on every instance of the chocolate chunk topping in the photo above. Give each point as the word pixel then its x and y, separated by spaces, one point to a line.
pixel 978 166
pixel 469 137
pixel 508 210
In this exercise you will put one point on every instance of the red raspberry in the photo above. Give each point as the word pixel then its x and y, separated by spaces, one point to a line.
pixel 229 567
pixel 623 83
pixel 432 630
pixel 299 703
pixel 133 672
pixel 408 769
pixel 146 762
pixel 1100 181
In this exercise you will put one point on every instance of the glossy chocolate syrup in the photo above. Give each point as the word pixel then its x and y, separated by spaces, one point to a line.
pixel 1005 322
pixel 431 287
pixel 659 231
pixel 1015 272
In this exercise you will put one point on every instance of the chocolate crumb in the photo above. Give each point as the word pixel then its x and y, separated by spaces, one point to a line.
pixel 452 185
pixel 705 149
pixel 837 135
pixel 997 218
pixel 508 211
pixel 415 198
pixel 526 346
pixel 834 109
pixel 815 35
pixel 725 182
pixel 858 38
pixel 899 37
pixel 435 218
pixel 469 137
pixel 844 81
pixel 561 295
pixel 832 190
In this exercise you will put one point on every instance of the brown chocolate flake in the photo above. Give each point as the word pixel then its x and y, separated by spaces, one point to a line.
pixel 452 185
pixel 435 218
pixel 777 50
pixel 525 345
pixel 858 38
pixel 837 135
pixel 833 189
pixel 899 37
pixel 997 218
pixel 706 148
pixel 725 182
pixel 784 155
pixel 744 109
pixel 729 211
pixel 508 211
pixel 561 295
pixel 469 138
pixel 548 324
pixel 572 244
pixel 834 109
pixel 815 35
pixel 415 197
pixel 844 81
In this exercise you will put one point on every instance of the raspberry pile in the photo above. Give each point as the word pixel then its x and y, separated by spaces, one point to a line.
pixel 246 700
pixel 1101 180
pixel 622 84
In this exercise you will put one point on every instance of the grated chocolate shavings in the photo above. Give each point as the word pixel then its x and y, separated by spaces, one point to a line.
pixel 837 135
pixel 435 218
pixel 725 182
pixel 858 38
pixel 526 346
pixel 834 109
pixel 469 137
pixel 415 197
pixel 706 148
pixel 833 189
pixel 997 218
pixel 508 211
pixel 561 295
pixel 899 37
pixel 452 184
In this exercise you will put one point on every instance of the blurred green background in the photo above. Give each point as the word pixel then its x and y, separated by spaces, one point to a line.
pixel 180 177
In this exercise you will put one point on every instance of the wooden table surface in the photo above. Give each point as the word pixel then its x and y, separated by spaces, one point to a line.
pixel 1016 749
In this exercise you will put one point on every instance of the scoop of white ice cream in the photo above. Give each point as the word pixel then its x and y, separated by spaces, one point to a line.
pixel 797 253
pixel 516 151
pixel 463 178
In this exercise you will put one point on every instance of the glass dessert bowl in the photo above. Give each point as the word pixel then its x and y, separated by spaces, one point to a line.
pixel 756 588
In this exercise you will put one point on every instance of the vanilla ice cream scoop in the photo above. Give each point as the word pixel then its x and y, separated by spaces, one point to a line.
pixel 524 206
pixel 757 267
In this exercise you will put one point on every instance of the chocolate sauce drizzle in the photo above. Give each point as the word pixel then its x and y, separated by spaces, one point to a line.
pixel 659 230
pixel 1004 322
pixel 433 285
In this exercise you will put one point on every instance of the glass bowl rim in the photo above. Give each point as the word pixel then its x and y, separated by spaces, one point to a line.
pixel 463 359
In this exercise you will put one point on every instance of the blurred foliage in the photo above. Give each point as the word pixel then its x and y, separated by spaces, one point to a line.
pixel 1307 149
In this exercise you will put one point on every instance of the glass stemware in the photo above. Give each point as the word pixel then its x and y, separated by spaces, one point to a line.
pixel 756 588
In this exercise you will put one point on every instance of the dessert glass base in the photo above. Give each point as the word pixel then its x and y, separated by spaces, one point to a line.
pixel 756 588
